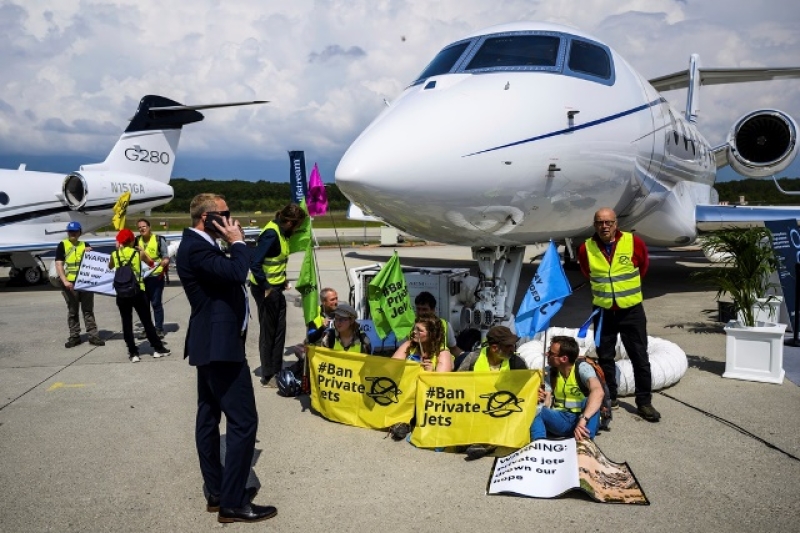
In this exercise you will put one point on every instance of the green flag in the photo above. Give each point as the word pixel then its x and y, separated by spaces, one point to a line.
pixel 389 303
pixel 301 237
pixel 307 285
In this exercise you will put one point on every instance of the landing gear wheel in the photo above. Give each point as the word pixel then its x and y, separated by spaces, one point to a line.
pixel 32 275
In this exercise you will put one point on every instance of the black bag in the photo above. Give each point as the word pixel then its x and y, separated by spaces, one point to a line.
pixel 125 282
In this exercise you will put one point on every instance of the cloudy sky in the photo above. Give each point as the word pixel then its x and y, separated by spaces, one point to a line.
pixel 73 71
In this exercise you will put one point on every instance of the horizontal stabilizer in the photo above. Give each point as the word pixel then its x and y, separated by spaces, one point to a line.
pixel 206 106
pixel 715 217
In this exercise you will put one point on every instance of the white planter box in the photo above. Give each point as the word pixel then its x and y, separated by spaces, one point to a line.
pixel 754 354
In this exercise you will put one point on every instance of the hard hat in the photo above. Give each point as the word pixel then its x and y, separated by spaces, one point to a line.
pixel 288 385
pixel 74 226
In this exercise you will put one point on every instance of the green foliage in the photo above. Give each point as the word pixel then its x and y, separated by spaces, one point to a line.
pixel 747 260
pixel 243 196
pixel 758 191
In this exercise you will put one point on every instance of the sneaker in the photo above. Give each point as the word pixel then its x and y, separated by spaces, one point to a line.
pixel 615 404
pixel 163 352
pixel 160 333
pixel 272 383
pixel 476 451
pixel 96 341
pixel 649 413
pixel 135 359
pixel 72 342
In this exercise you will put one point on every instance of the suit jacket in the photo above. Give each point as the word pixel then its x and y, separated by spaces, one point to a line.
pixel 213 283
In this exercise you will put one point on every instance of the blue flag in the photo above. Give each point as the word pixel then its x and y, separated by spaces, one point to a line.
pixel 545 296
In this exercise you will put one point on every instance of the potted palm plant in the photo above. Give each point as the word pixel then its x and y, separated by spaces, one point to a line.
pixel 754 349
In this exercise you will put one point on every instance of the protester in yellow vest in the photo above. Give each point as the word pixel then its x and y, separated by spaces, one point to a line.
pixel 425 346
pixel 346 334
pixel 425 303
pixel 69 254
pixel 156 248
pixel 127 254
pixel 572 413
pixel 615 262
pixel 497 354
pixel 267 283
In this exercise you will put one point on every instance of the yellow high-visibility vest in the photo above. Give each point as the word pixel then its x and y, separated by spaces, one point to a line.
pixel 152 252
pixel 567 395
pixel 618 281
pixel 482 363
pixel 73 255
pixel 275 267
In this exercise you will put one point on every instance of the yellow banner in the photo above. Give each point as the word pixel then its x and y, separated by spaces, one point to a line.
pixel 362 390
pixel 462 408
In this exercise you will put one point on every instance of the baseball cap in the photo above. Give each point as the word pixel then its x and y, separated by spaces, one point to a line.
pixel 125 236
pixel 345 310
pixel 74 226
pixel 501 335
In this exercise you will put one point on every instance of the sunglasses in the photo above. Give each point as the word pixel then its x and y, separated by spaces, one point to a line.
pixel 604 222
pixel 223 214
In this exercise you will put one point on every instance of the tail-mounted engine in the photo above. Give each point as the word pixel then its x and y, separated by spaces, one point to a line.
pixel 762 143
pixel 75 191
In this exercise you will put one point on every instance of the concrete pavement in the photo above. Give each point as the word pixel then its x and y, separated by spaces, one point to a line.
pixel 91 442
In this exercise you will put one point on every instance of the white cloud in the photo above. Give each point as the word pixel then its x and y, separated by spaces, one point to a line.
pixel 327 65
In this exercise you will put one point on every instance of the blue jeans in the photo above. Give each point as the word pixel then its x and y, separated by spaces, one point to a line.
pixel 154 288
pixel 560 423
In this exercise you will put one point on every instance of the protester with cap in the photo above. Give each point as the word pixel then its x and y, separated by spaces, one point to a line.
pixel 69 255
pixel 425 346
pixel 497 354
pixel 346 334
pixel 124 255
pixel 572 414
pixel 267 282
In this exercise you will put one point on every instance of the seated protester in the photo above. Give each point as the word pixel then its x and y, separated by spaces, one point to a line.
pixel 426 346
pixel 496 355
pixel 425 303
pixel 324 320
pixel 572 414
pixel 127 254
pixel 346 335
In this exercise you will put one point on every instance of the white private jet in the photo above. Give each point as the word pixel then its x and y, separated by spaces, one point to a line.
pixel 516 134
pixel 35 207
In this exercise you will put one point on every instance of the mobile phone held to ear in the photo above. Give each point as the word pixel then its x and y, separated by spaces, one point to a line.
pixel 209 222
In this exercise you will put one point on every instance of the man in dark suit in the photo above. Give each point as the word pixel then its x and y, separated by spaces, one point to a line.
pixel 215 340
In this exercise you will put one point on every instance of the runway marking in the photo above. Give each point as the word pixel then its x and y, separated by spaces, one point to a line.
pixel 60 385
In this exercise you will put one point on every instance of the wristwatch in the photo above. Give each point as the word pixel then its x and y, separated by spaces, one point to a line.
pixel 584 417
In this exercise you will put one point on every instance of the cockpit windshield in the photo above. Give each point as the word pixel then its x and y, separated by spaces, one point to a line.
pixel 548 51
pixel 516 51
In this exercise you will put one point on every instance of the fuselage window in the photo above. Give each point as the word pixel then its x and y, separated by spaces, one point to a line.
pixel 444 61
pixel 516 51
pixel 590 59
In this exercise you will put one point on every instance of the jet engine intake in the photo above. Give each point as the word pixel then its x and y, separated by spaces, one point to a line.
pixel 762 143
pixel 76 191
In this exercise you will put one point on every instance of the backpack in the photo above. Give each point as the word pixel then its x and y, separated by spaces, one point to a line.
pixel 605 406
pixel 125 282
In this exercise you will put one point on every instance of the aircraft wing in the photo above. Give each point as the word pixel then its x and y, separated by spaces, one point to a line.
pixel 356 213
pixel 714 217
pixel 719 76
pixel 91 240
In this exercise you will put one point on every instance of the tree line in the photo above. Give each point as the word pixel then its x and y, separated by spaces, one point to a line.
pixel 243 196
pixel 269 197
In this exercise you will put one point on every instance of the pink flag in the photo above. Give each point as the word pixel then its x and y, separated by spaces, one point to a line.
pixel 317 199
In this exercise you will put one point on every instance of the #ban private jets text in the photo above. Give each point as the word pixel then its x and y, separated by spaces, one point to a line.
pixel 35 207
pixel 516 134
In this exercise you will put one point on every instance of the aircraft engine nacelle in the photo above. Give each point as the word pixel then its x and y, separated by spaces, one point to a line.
pixel 762 143
pixel 99 191
pixel 76 191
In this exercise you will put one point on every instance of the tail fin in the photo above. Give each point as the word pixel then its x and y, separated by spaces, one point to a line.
pixel 149 144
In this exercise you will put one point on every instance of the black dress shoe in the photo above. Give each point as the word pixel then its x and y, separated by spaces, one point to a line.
pixel 212 505
pixel 249 513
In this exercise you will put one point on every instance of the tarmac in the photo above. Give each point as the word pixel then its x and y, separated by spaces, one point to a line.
pixel 91 442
